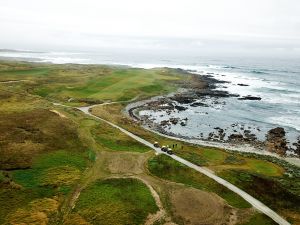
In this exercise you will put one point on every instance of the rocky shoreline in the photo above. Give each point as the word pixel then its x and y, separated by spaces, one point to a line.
pixel 195 93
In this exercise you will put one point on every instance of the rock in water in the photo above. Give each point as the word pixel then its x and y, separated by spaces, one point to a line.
pixel 297 145
pixel 180 108
pixel 276 142
pixel 248 97
pixel 174 120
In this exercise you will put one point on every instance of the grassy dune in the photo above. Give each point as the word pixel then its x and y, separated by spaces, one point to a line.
pixel 52 169
pixel 42 157
pixel 26 134
pixel 116 201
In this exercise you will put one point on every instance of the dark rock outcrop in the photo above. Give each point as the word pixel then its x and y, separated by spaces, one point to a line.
pixel 183 99
pixel 165 123
pixel 214 93
pixel 297 145
pixel 248 97
pixel 196 104
pixel 182 123
pixel 180 108
pixel 236 137
pixel 174 120
pixel 276 142
pixel 243 85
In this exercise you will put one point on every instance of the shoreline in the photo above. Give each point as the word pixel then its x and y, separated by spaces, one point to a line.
pixel 132 110
pixel 242 148
pixel 231 147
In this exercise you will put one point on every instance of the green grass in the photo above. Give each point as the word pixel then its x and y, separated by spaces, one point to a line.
pixel 117 84
pixel 116 201
pixel 169 169
pixel 213 155
pixel 33 177
pixel 12 199
pixel 268 190
pixel 259 219
pixel 193 158
pixel 25 135
pixel 26 72
pixel 202 156
pixel 1 176
pixel 51 174
pixel 27 178
pixel 61 158
pixel 92 155
pixel 234 160
pixel 264 167
pixel 112 139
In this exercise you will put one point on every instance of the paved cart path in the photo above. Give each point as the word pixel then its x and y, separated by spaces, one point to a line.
pixel 253 201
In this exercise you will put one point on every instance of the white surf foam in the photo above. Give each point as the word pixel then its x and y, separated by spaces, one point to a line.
pixel 286 120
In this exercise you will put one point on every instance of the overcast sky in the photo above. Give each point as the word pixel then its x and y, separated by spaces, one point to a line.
pixel 273 25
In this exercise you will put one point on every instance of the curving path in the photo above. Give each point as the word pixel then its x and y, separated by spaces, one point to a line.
pixel 254 202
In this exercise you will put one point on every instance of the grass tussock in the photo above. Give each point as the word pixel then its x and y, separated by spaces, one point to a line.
pixel 37 212
pixel 113 139
pixel 259 219
pixel 59 176
pixel 56 168
pixel 27 134
pixel 116 201
pixel 268 189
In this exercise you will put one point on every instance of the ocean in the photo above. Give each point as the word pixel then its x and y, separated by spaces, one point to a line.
pixel 275 80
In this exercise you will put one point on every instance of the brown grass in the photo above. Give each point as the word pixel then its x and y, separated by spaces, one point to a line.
pixel 75 219
pixel 26 134
pixel 64 175
pixel 37 213
pixel 125 162
pixel 191 206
